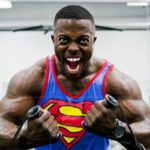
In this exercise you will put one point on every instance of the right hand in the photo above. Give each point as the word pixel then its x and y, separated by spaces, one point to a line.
pixel 41 130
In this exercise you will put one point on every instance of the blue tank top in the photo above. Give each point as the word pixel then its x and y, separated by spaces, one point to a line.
pixel 69 110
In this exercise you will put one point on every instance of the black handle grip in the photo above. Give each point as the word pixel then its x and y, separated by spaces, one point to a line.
pixel 35 111
pixel 110 102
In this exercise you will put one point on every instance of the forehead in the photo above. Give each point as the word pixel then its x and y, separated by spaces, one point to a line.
pixel 74 25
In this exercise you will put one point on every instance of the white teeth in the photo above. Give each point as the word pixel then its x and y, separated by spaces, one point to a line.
pixel 73 59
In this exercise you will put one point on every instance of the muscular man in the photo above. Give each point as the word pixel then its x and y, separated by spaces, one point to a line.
pixel 70 87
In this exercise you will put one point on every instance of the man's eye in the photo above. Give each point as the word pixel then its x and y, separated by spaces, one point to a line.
pixel 84 41
pixel 62 40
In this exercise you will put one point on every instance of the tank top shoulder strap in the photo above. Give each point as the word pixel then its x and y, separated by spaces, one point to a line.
pixel 104 74
pixel 46 77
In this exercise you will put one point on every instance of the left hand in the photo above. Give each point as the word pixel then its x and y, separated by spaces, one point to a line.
pixel 100 120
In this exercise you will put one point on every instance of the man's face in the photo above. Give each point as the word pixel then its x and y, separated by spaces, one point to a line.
pixel 73 43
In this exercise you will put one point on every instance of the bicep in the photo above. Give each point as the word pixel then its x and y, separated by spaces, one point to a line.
pixel 14 109
pixel 16 101
pixel 133 110
pixel 23 90
pixel 126 90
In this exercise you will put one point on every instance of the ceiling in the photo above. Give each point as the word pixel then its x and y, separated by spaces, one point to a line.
pixel 109 13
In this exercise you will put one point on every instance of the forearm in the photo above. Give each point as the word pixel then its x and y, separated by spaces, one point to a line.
pixel 129 141
pixel 24 140
pixel 142 132
pixel 7 132
pixel 141 135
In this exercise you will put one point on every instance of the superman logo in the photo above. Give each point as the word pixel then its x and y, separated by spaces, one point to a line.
pixel 69 117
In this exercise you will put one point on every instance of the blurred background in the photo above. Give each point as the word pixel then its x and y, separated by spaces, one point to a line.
pixel 123 36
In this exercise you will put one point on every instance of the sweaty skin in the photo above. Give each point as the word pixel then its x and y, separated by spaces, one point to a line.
pixel 72 39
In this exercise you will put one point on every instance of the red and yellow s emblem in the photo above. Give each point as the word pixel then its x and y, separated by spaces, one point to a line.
pixel 69 117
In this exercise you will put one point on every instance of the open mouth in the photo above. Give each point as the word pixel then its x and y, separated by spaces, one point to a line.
pixel 72 64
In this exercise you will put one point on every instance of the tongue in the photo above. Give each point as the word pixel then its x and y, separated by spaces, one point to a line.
pixel 73 65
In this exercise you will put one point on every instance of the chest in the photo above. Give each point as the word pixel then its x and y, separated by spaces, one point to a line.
pixel 74 86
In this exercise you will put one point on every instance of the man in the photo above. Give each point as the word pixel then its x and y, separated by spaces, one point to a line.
pixel 70 87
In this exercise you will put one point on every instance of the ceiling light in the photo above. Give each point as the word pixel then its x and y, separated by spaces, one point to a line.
pixel 137 4
pixel 5 4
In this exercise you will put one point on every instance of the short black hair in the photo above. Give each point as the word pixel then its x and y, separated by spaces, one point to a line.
pixel 73 12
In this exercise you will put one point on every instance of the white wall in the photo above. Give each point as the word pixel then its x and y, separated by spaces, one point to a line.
pixel 128 50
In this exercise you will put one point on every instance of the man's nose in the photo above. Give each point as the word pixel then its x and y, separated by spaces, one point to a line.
pixel 73 47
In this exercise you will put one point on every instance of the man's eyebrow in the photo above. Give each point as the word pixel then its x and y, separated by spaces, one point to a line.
pixel 85 36
pixel 62 34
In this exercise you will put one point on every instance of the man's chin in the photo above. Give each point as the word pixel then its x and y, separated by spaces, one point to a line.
pixel 73 75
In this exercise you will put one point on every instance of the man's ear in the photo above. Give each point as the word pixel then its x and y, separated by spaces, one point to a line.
pixel 52 37
pixel 95 38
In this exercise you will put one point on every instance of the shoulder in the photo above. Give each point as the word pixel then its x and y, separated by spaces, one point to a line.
pixel 118 84
pixel 28 81
pixel 122 86
pixel 96 64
